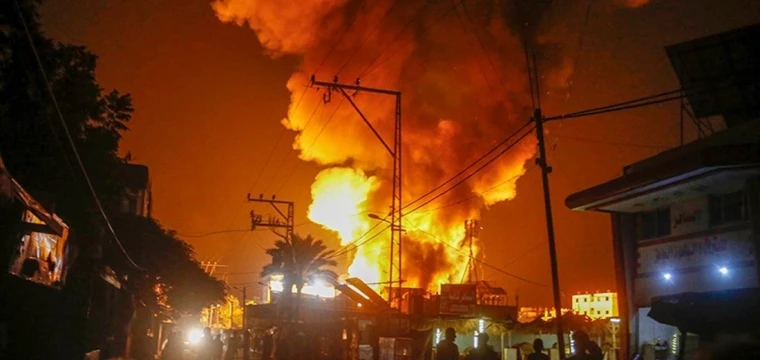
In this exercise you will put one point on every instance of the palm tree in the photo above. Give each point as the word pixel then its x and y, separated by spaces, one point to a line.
pixel 299 260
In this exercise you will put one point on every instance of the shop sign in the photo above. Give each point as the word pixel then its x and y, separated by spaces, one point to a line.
pixel 698 251
pixel 458 299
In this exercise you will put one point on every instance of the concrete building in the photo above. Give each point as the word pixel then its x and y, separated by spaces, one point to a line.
pixel 686 222
pixel 596 306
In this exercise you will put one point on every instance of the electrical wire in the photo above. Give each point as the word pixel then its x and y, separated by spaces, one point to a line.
pixel 495 268
pixel 308 150
pixel 642 101
pixel 353 245
pixel 71 140
pixel 475 195
pixel 502 152
pixel 282 164
pixel 468 167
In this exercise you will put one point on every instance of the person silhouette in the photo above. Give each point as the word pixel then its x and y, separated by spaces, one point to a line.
pixel 538 348
pixel 447 349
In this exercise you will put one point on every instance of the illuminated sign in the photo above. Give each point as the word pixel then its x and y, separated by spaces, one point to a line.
pixel 698 251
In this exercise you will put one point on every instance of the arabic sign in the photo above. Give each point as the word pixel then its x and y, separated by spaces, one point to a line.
pixel 688 216
pixel 458 299
pixel 702 250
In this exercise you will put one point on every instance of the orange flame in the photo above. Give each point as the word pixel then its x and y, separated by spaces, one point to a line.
pixel 459 99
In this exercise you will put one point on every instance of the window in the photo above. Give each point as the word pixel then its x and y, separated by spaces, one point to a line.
pixel 577 300
pixel 607 312
pixel 654 224
pixel 727 208
pixel 598 312
pixel 585 300
pixel 607 298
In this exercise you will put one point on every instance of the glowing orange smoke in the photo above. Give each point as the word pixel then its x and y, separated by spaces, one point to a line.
pixel 459 99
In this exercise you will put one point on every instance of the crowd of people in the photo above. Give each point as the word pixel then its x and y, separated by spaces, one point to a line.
pixel 447 349
pixel 210 346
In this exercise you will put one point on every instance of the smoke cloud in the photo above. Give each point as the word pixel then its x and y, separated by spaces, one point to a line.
pixel 462 72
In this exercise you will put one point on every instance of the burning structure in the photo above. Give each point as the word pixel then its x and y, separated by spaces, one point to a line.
pixel 461 70
pixel 444 127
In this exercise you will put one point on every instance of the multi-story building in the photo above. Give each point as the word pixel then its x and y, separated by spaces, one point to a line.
pixel 686 222
pixel 602 305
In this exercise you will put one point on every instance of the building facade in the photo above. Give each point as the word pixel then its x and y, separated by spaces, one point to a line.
pixel 686 222
pixel 596 306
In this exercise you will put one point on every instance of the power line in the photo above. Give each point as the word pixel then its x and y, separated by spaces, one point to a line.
pixel 476 195
pixel 474 172
pixel 468 167
pixel 476 259
pixel 308 150
pixel 217 232
pixel 71 140
pixel 308 121
pixel 353 245
pixel 639 102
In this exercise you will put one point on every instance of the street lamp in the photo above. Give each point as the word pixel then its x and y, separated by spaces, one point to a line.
pixel 377 217
pixel 614 329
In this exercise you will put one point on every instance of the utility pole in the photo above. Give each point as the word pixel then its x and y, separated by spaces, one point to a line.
pixel 545 171
pixel 285 220
pixel 395 152
pixel 471 228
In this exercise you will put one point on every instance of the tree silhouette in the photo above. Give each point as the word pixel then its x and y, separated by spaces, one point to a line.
pixel 300 261
pixel 173 283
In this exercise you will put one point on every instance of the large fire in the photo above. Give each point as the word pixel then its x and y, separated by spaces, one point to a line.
pixel 459 99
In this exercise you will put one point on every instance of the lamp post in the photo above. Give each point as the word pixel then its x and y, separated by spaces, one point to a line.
pixel 614 329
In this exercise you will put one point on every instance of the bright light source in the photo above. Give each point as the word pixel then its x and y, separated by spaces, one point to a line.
pixel 723 270
pixel 195 336
pixel 359 304
pixel 615 320
pixel 667 276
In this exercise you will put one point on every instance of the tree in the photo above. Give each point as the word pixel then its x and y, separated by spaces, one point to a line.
pixel 299 261
pixel 173 283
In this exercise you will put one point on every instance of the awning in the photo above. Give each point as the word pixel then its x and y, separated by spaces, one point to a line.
pixel 714 312
pixel 679 168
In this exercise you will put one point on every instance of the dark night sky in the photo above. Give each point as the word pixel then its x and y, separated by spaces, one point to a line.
pixel 208 104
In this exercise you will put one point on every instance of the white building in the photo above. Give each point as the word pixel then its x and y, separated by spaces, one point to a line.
pixel 596 306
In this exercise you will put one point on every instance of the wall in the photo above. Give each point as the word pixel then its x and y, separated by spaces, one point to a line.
pixel 691 257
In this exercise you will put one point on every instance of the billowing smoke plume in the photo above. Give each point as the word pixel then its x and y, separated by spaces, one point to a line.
pixel 461 69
